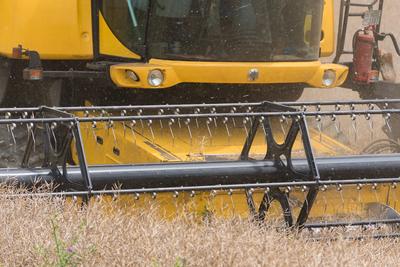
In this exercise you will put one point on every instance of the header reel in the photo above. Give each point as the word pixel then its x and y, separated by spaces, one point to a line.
pixel 291 135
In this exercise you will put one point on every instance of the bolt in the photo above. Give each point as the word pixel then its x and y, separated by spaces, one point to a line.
pixel 374 186
pixel 213 193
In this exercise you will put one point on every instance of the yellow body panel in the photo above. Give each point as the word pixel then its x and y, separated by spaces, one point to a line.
pixel 110 45
pixel 57 29
pixel 328 29
pixel 177 72
pixel 178 144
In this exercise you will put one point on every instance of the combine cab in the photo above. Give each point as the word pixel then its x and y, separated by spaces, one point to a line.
pixel 138 71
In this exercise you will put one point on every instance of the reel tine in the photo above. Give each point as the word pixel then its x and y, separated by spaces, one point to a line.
pixel 214 111
pixel 11 130
pixel 149 124
pixel 208 122
pixel 139 113
pixel 111 125
pixel 245 122
pixel 123 114
pixel 161 112
pixel 262 123
pixel 177 112
pixel 31 134
pixel 187 123
pixel 94 128
pixel 387 119
pixel 282 119
pixel 393 188
pixel 225 122
pixel 339 188
pixel 52 128
pixel 197 111
pixel 132 125
pixel 336 123
pixel 354 126
pixel 371 125
pixel 323 189
pixel 319 126
pixel 232 111
pixel 170 123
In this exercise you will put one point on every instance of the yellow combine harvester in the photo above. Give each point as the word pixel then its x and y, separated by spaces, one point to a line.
pixel 143 66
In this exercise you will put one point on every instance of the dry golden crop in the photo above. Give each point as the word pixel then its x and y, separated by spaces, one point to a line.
pixel 54 232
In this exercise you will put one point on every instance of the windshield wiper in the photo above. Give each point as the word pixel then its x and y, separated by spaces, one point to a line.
pixel 132 13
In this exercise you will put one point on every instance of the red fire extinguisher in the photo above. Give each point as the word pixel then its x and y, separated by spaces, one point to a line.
pixel 363 47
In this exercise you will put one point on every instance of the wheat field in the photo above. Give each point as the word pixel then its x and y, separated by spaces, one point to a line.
pixel 57 232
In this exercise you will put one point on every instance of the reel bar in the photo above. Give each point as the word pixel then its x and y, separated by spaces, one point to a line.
pixel 220 187
pixel 194 116
pixel 357 238
pixel 234 115
pixel 342 102
pixel 204 106
pixel 220 105
pixel 347 224
pixel 219 175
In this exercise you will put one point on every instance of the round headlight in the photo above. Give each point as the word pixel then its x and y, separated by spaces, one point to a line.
pixel 329 78
pixel 132 75
pixel 155 78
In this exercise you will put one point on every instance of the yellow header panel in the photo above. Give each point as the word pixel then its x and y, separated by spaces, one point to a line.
pixel 57 29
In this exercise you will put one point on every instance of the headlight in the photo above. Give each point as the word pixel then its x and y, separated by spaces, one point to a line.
pixel 329 78
pixel 155 78
pixel 132 75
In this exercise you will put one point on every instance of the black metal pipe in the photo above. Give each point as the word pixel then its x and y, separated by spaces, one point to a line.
pixel 354 169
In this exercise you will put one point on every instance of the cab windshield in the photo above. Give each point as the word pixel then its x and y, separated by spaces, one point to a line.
pixel 219 30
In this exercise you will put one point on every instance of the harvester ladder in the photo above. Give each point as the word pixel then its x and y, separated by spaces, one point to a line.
pixel 344 15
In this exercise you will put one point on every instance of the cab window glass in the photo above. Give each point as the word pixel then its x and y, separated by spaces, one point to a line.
pixel 127 20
